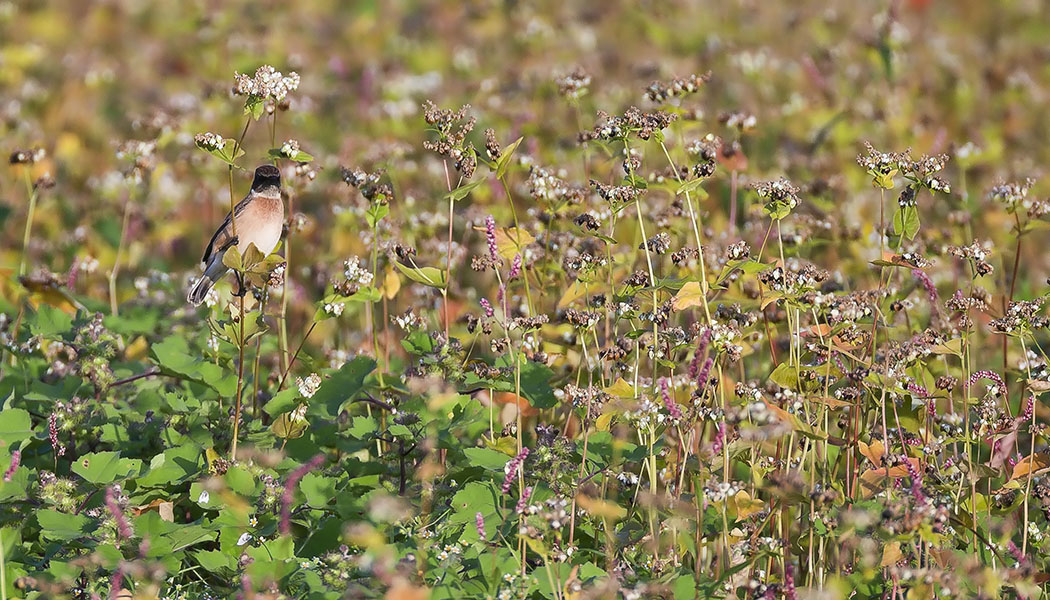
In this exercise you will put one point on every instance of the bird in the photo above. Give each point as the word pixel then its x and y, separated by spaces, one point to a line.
pixel 260 221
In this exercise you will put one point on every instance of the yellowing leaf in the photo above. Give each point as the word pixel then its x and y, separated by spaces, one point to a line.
pixel 770 299
pixel 873 452
pixel 285 427
pixel 891 553
pixel 690 295
pixel 603 422
pixel 1034 464
pixel 577 290
pixel 601 508
pixel 138 349
pixel 950 347
pixel 510 240
pixel 746 505
pixel 391 283
pixel 212 456
pixel 621 389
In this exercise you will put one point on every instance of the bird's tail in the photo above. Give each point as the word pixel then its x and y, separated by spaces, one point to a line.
pixel 212 273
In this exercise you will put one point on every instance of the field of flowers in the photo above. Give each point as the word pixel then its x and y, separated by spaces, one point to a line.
pixel 573 300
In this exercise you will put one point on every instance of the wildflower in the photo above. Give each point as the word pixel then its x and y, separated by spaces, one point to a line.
pixel 16 457
pixel 515 267
pixel 659 91
pixel 512 467
pixel 123 528
pixel 267 83
pixel 720 438
pixel 658 244
pixel 52 432
pixel 487 307
pixel 309 386
pixel 644 125
pixel 244 539
pixel 882 166
pixel 492 148
pixel 524 500
pixel 290 149
pixel 356 273
pixel 1012 195
pixel 740 120
pixel 574 84
pixel 669 403
pixel 490 237
pixel 452 143
pixel 289 488
pixel 479 524
pixel 204 497
pixel 927 284
pixel 209 141
pixel 334 308
pixel 781 196
pixel 999 387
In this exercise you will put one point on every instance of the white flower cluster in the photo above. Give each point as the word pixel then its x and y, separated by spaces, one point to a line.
pixel 355 272
pixel 298 415
pixel 1012 194
pixel 209 141
pixel 724 336
pixel 267 83
pixel 308 387
pixel 721 491
pixel 627 478
pixel 647 415
pixel 449 550
pixel 408 321
pixel 290 148
pixel 334 308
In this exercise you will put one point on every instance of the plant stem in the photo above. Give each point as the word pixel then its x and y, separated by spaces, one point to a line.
pixel 31 190
pixel 116 261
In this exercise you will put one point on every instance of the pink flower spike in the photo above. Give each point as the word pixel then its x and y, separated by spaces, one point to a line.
pixel 289 490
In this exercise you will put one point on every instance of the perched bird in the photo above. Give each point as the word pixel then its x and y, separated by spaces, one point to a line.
pixel 260 220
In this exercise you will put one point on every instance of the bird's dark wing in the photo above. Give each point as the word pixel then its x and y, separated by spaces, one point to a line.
pixel 223 237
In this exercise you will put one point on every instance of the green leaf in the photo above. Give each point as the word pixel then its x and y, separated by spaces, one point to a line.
pixel 491 460
pixel 15 426
pixel 295 155
pixel 50 322
pixel 319 490
pixel 785 376
pixel 361 427
pixel 636 182
pixel 476 497
pixel 214 561
pixel 174 465
pixel 906 221
pixel 285 401
pixel 101 468
pixel 189 535
pixel 254 106
pixel 692 186
pixel 241 481
pixel 432 276
pixel 172 355
pixel 343 385
pixel 375 214
pixel 503 162
pixel 224 154
pixel 462 191
pixel 60 526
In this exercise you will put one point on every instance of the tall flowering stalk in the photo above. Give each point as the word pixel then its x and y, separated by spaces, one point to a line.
pixel 289 490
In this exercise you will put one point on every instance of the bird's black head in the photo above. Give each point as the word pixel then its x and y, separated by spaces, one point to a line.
pixel 267 180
